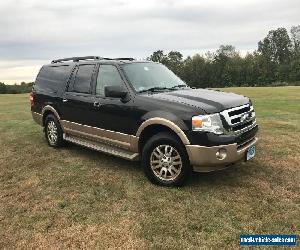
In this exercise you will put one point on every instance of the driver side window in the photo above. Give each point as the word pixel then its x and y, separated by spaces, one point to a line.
pixel 108 75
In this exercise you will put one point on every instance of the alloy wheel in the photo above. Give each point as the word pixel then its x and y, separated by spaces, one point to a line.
pixel 165 162
pixel 52 132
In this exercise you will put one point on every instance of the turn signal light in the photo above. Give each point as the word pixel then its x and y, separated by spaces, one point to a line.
pixel 196 123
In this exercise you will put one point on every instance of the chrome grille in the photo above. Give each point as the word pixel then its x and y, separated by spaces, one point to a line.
pixel 240 119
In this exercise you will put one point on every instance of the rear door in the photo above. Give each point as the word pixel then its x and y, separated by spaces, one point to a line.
pixel 77 102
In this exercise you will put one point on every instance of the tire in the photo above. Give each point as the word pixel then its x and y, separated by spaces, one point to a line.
pixel 168 168
pixel 53 132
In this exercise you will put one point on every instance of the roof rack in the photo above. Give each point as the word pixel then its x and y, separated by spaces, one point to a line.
pixel 77 59
pixel 124 59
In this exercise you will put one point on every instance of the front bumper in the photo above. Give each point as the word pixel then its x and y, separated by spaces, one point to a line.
pixel 204 159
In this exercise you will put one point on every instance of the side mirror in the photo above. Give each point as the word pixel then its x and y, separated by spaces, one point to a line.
pixel 115 91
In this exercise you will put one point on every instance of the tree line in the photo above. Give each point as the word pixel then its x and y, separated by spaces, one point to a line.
pixel 276 61
pixel 16 88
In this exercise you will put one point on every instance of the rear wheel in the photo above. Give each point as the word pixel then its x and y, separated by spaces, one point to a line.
pixel 165 160
pixel 53 131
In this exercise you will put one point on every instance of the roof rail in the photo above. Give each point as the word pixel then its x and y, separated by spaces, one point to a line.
pixel 77 59
pixel 124 58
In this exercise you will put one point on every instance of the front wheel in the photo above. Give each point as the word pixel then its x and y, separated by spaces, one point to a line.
pixel 165 160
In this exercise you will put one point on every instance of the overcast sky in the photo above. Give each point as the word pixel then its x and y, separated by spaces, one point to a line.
pixel 33 32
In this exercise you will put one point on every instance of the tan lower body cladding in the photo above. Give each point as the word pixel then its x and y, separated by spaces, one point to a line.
pixel 203 159
pixel 38 118
pixel 124 141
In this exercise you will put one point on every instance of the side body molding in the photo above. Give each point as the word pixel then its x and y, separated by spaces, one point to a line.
pixel 164 122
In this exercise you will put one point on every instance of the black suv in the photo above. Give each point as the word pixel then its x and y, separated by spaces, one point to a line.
pixel 140 110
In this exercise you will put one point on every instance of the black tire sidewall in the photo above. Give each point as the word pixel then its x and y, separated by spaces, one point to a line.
pixel 168 139
pixel 60 140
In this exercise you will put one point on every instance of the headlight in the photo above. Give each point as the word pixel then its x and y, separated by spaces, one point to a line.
pixel 209 123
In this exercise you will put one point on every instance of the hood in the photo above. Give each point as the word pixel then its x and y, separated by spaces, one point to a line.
pixel 210 101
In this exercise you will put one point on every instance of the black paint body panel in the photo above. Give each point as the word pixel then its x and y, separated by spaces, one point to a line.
pixel 126 116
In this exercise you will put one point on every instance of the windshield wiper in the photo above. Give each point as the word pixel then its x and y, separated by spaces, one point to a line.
pixel 162 88
pixel 179 86
pixel 153 89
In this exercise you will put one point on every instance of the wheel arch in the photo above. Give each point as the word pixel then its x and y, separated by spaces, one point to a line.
pixel 49 110
pixel 153 126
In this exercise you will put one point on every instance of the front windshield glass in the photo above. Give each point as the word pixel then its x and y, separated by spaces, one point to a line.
pixel 151 76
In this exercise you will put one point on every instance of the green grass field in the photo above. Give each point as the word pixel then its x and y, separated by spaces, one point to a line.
pixel 78 198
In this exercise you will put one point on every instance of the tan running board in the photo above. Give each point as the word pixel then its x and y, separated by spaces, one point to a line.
pixel 108 149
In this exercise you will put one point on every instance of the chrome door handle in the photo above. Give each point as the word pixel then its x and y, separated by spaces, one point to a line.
pixel 64 100
pixel 97 104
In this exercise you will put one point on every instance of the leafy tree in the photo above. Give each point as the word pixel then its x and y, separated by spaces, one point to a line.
pixel 276 46
pixel 2 88
pixel 227 51
pixel 174 61
pixel 157 56
pixel 295 37
pixel 295 68
pixel 295 61
pixel 195 71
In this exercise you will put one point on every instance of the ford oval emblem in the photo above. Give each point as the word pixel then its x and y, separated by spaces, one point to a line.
pixel 245 117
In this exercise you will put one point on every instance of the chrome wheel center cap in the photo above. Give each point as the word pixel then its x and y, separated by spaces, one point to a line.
pixel 166 161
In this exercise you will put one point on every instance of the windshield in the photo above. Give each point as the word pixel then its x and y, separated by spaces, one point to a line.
pixel 151 76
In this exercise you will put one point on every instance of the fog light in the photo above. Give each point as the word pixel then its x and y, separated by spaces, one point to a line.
pixel 221 154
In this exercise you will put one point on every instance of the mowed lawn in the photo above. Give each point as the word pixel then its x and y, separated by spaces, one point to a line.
pixel 78 198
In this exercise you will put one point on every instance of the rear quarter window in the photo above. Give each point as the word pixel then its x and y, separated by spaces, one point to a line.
pixel 52 78
pixel 81 78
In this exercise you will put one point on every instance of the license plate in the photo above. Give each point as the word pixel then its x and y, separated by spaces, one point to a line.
pixel 251 152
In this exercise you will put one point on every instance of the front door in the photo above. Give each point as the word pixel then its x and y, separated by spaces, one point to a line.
pixel 113 113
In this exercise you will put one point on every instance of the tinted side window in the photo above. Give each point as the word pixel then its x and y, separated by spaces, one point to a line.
pixel 72 79
pixel 82 83
pixel 52 78
pixel 108 75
